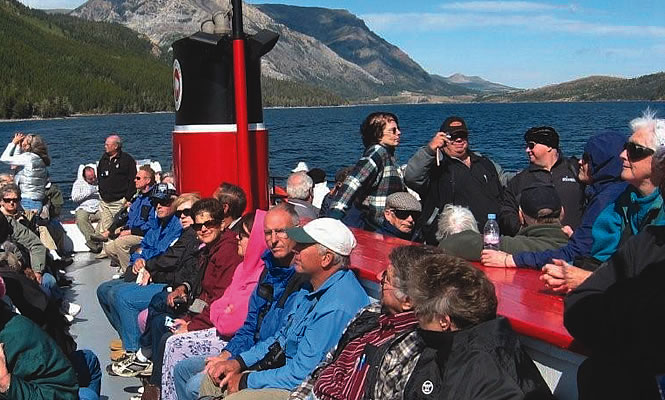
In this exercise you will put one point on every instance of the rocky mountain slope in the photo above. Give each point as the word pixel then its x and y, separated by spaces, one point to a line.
pixel 477 83
pixel 349 60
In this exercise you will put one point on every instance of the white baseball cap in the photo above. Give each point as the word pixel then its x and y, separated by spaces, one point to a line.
pixel 302 166
pixel 330 232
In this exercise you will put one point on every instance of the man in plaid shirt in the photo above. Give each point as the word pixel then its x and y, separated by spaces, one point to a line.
pixel 379 345
pixel 376 175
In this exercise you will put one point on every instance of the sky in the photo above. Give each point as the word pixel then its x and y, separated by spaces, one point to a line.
pixel 523 44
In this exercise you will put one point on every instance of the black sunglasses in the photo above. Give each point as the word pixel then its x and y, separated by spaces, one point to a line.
pixel 637 152
pixel 8 200
pixel 458 137
pixel 243 234
pixel 530 145
pixel 161 202
pixel 404 214
pixel 187 212
pixel 211 223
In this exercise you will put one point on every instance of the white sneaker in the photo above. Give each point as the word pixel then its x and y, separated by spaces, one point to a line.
pixel 71 308
pixel 69 318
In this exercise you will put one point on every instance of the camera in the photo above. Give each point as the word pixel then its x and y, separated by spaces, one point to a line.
pixel 274 359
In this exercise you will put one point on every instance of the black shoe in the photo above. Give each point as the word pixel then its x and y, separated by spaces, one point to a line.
pixel 63 263
pixel 96 237
pixel 95 248
pixel 64 282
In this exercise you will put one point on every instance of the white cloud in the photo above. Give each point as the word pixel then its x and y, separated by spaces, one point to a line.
pixel 499 6
pixel 433 22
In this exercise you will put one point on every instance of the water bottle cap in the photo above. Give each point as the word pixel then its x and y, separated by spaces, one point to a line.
pixel 491 216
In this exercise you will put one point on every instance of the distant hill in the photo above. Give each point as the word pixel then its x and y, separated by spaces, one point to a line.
pixel 476 83
pixel 593 88
pixel 55 65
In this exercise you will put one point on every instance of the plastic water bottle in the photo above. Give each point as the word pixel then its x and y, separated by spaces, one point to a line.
pixel 491 237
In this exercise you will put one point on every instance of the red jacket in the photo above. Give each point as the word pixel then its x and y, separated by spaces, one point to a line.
pixel 218 265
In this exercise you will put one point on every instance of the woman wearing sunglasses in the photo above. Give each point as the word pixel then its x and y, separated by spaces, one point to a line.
pixel 228 313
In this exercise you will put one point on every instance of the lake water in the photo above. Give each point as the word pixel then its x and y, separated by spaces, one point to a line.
pixel 328 138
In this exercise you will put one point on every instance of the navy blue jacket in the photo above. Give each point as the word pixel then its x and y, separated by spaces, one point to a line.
pixel 604 149
pixel 140 213
pixel 273 312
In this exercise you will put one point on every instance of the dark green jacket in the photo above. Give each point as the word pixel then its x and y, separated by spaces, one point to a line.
pixel 469 244
pixel 39 369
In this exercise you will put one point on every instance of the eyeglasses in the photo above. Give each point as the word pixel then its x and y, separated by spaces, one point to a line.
pixel 11 200
pixel 384 279
pixel 458 137
pixel 392 130
pixel 243 234
pixel 138 178
pixel 530 145
pixel 404 214
pixel 209 224
pixel 280 233
pixel 637 152
pixel 161 202
pixel 187 212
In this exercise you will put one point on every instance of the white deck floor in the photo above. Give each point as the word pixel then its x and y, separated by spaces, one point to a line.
pixel 91 328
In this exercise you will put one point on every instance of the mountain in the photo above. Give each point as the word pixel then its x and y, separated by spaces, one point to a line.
pixel 592 88
pixel 56 64
pixel 349 37
pixel 477 83
pixel 338 53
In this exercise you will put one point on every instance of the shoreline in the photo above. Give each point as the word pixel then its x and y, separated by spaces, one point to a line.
pixel 84 115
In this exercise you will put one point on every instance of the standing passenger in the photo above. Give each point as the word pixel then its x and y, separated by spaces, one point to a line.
pixel 376 175
pixel 30 153
pixel 116 172
pixel 548 166
pixel 447 172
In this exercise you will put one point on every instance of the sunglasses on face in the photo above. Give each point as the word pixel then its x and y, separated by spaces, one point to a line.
pixel 404 214
pixel 637 152
pixel 209 224
pixel 243 234
pixel 161 202
pixel 187 212
pixel 458 137
pixel 530 145
pixel 8 200
pixel 138 178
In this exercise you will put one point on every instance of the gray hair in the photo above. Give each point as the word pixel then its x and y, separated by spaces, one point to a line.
pixel 117 140
pixel 6 179
pixel 455 219
pixel 338 259
pixel 403 258
pixel 289 209
pixel 299 185
pixel 655 127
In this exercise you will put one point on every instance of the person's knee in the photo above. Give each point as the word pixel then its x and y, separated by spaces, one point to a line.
pixel 48 280
pixel 87 394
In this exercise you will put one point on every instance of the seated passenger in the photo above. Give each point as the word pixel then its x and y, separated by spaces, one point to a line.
pixel 378 327
pixel 600 171
pixel 85 194
pixel 446 171
pixel 269 304
pixel 138 222
pixel 123 299
pixel 547 165
pixel 340 177
pixel 467 352
pixel 540 213
pixel 401 213
pixel 616 313
pixel 31 364
pixel 277 365
pixel 217 261
pixel 299 188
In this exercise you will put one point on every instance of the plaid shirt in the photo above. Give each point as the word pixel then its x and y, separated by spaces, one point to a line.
pixel 373 179
pixel 394 372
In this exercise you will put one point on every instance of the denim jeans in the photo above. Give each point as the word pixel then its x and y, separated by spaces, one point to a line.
pixel 50 287
pixel 30 204
pixel 187 377
pixel 106 297
pixel 130 300
pixel 89 373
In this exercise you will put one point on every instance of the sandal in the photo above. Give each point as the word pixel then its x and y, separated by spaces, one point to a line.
pixel 131 367
pixel 115 344
pixel 119 355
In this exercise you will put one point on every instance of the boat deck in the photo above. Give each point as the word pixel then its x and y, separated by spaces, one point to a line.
pixel 91 329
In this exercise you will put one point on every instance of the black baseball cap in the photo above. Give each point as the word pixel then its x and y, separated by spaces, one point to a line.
pixel 536 198
pixel 454 125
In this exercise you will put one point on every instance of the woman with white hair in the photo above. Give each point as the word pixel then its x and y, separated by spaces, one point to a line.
pixel 31 154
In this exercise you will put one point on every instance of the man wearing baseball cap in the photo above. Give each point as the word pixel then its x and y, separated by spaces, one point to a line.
pixel 445 171
pixel 548 166
pixel 401 212
pixel 322 253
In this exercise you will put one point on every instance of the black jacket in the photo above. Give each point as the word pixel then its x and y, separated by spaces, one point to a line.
pixel 563 177
pixel 482 362
pixel 178 263
pixel 116 177
pixel 617 314
pixel 452 182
